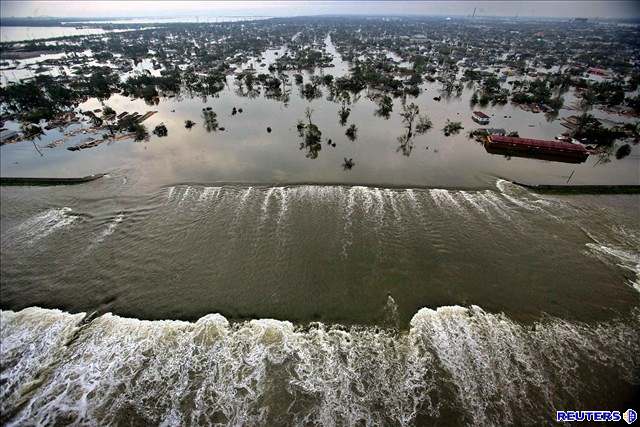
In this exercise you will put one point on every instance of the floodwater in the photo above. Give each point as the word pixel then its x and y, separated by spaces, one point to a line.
pixel 246 152
pixel 226 277
pixel 15 34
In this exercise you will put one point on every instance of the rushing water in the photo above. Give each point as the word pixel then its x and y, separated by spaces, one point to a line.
pixel 501 340
pixel 453 365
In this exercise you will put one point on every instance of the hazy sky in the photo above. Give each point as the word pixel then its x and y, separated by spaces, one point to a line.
pixel 79 8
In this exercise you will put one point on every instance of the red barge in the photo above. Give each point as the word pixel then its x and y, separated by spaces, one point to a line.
pixel 536 148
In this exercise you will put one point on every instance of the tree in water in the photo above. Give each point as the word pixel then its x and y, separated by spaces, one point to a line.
pixel 140 132
pixel 311 134
pixel 109 115
pixel 409 114
pixel 474 99
pixel 343 114
pixel 452 128
pixel 385 106
pixel 210 119
pixel 424 124
pixel 160 130
pixel 348 164
pixel 344 111
pixel 352 132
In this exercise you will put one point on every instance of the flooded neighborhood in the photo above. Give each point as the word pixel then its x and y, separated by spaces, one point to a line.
pixel 297 214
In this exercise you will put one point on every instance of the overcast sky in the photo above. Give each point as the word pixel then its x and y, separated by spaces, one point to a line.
pixel 80 8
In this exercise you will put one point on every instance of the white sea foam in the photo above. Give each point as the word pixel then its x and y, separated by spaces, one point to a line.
pixel 493 202
pixel 474 200
pixel 31 340
pixel 445 200
pixel 111 227
pixel 170 193
pixel 623 258
pixel 347 239
pixel 505 188
pixel 185 194
pixel 265 203
pixel 43 224
pixel 410 195
pixel 484 367
pixel 209 193
pixel 283 194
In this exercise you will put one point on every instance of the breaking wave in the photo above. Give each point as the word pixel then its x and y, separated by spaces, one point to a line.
pixel 372 200
pixel 458 364
pixel 625 255
pixel 111 227
pixel 44 224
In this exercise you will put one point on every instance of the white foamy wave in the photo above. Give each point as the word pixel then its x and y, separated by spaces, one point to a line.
pixel 498 365
pixel 506 188
pixel 43 224
pixel 170 193
pixel 265 202
pixel 473 366
pixel 283 193
pixel 209 193
pixel 410 195
pixel 623 258
pixel 111 227
pixel 31 340
pixel 475 201
pixel 391 196
pixel 444 200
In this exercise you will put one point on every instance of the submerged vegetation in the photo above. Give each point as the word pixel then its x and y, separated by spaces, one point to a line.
pixel 311 135
pixel 452 128
pixel 388 62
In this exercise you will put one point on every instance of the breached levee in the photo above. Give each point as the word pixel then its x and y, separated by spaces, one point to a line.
pixel 454 365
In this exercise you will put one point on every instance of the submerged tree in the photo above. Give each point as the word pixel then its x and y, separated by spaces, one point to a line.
pixel 385 106
pixel 140 132
pixel 311 134
pixel 210 119
pixel 310 91
pixel 348 164
pixel 160 130
pixel 109 115
pixel 452 128
pixel 424 124
pixel 352 132
pixel 409 114
pixel 343 114
pixel 590 130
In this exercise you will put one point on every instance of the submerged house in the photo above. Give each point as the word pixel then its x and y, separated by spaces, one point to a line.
pixel 8 136
pixel 480 118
